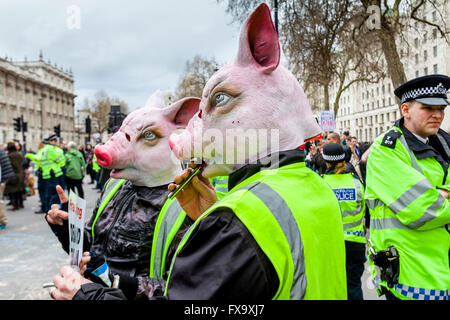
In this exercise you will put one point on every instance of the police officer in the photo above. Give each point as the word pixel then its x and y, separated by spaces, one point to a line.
pixel 51 171
pixel 349 190
pixel 60 160
pixel 407 194
pixel 37 158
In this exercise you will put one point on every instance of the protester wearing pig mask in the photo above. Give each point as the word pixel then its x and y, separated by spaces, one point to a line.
pixel 120 233
pixel 277 233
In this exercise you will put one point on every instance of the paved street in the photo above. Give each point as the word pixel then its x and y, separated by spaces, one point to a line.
pixel 30 255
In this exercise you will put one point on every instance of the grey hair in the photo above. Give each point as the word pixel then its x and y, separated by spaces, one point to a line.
pixel 71 144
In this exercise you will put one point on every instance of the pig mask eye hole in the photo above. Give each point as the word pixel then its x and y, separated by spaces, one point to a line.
pixel 148 135
pixel 220 99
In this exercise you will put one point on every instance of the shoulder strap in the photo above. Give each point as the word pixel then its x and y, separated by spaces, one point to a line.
pixel 390 139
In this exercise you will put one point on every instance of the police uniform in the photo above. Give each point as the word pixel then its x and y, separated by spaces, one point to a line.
pixel 51 173
pixel 409 238
pixel 349 191
pixel 37 158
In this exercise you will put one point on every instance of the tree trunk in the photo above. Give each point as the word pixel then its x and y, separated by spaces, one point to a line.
pixel 395 67
pixel 326 96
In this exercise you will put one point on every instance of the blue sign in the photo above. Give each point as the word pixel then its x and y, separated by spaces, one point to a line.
pixel 345 194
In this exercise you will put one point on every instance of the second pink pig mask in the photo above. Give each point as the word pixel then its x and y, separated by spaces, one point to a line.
pixel 254 92
pixel 140 150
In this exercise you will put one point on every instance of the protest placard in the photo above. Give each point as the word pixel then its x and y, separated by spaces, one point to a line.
pixel 77 208
pixel 327 121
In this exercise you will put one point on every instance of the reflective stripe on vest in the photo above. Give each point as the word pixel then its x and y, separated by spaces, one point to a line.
pixel 412 194
pixel 110 190
pixel 349 191
pixel 281 211
pixel 169 221
pixel 220 184
pixel 411 154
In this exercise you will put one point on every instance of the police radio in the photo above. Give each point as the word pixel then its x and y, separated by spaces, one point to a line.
pixel 388 263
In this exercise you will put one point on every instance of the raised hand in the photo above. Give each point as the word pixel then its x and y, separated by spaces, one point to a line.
pixel 55 214
pixel 197 196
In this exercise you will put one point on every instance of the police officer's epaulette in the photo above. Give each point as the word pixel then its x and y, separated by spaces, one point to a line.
pixel 390 138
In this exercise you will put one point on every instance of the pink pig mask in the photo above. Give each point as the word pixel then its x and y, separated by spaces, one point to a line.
pixel 254 93
pixel 139 151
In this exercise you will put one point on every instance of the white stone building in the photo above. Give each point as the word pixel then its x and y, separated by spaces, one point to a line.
pixel 368 110
pixel 40 92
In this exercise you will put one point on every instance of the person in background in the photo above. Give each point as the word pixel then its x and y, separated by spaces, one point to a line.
pixel 75 166
pixel 6 173
pixel 36 159
pixel 89 153
pixel 355 147
pixel 60 159
pixel 345 137
pixel 81 149
pixel 349 190
pixel 15 187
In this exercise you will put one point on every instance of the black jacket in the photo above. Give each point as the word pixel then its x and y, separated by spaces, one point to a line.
pixel 124 230
pixel 221 260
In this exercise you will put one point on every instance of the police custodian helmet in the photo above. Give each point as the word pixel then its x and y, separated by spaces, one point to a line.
pixel 430 90
pixel 333 153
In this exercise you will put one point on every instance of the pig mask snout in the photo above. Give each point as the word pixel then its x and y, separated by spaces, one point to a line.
pixel 104 157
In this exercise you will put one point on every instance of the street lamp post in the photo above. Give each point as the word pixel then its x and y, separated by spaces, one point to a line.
pixel 42 118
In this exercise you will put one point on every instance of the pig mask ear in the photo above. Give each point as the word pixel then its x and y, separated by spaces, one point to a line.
pixel 183 110
pixel 156 100
pixel 259 44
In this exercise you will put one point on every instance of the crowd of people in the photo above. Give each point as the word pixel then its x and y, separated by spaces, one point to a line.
pixel 52 164
pixel 371 194
pixel 296 220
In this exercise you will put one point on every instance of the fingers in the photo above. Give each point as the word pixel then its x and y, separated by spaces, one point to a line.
pixel 205 189
pixel 183 176
pixel 178 180
pixel 66 271
pixel 83 263
pixel 63 215
pixel 55 294
pixel 56 216
pixel 61 194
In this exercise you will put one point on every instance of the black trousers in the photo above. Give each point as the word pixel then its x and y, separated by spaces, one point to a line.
pixel 73 183
pixel 16 198
pixel 355 254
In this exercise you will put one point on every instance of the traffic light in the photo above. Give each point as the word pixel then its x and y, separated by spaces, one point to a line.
pixel 18 124
pixel 115 118
pixel 25 126
pixel 88 125
pixel 57 130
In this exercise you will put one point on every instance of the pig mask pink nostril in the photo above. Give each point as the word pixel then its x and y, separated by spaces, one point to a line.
pixel 171 144
pixel 103 156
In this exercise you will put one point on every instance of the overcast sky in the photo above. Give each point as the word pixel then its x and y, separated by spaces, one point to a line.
pixel 127 48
